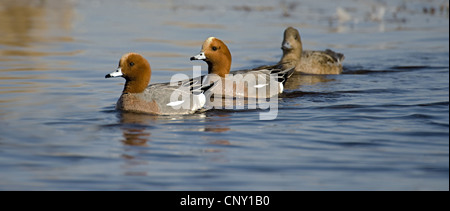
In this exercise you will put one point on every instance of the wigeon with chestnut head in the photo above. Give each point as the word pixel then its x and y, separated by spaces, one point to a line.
pixel 306 61
pixel 159 99
pixel 244 83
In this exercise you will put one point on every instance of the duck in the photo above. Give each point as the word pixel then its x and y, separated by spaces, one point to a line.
pixel 157 99
pixel 249 83
pixel 308 61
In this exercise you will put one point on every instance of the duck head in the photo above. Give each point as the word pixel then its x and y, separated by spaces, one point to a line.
pixel 136 71
pixel 291 45
pixel 216 54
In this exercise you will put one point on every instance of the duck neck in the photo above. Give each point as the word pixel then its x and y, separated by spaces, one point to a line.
pixel 290 57
pixel 135 86
pixel 220 68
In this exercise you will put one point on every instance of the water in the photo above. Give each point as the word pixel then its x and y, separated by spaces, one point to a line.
pixel 383 125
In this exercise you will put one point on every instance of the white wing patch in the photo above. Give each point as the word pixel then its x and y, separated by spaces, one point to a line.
pixel 280 88
pixel 199 101
pixel 260 85
pixel 175 103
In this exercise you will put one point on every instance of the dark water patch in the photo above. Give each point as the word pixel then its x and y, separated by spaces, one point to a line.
pixel 443 103
pixel 343 106
pixel 299 94
pixel 425 134
pixel 108 110
pixel 317 167
pixel 71 157
pixel 302 147
pixel 393 69
pixel 383 106
pixel 219 113
pixel 414 67
pixel 356 109
pixel 416 116
pixel 234 110
pixel 73 121
pixel 346 144
pixel 113 126
pixel 438 105
pixel 335 94
pixel 366 72
pixel 441 124
pixel 439 170
pixel 267 169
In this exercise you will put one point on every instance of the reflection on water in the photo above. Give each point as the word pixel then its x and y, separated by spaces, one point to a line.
pixel 134 128
pixel 217 124
pixel 138 141
pixel 297 80
pixel 24 23
pixel 31 31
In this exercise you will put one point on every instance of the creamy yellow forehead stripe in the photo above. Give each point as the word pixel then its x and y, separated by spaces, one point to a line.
pixel 208 42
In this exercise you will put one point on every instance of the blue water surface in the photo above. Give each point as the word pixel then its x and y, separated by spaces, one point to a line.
pixel 382 125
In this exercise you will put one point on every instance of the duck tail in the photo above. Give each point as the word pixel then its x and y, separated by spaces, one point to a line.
pixel 283 75
pixel 339 57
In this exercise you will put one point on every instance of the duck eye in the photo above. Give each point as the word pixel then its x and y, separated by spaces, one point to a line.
pixel 214 48
pixel 131 64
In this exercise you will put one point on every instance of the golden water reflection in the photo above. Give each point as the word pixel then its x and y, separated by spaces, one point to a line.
pixel 134 130
pixel 25 22
pixel 31 31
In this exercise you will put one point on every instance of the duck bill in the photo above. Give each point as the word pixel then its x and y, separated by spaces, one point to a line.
pixel 115 74
pixel 200 56
pixel 286 46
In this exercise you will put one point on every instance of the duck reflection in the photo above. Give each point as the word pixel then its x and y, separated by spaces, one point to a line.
pixel 216 123
pixel 297 80
pixel 135 128
pixel 135 137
